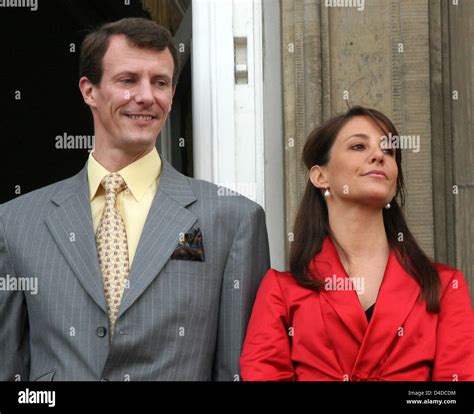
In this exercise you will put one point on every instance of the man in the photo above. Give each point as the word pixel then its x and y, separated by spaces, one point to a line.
pixel 142 273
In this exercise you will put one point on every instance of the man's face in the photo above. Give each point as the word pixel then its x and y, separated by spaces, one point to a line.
pixel 133 99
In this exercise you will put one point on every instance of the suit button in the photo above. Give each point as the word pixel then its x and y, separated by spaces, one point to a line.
pixel 101 331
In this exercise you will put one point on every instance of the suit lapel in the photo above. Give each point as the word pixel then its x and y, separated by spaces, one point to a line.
pixel 167 218
pixel 70 224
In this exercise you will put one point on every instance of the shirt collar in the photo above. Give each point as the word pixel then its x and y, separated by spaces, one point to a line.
pixel 139 175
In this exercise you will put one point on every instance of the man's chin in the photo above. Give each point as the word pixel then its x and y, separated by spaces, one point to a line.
pixel 138 142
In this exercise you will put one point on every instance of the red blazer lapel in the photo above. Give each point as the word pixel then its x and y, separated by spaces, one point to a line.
pixel 361 348
pixel 327 267
pixel 397 295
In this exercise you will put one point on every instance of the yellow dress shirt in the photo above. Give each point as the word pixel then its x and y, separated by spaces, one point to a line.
pixel 142 178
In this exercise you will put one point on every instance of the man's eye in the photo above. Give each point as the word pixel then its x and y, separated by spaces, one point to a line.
pixel 127 80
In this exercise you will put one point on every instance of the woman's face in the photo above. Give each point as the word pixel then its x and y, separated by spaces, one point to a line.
pixel 360 168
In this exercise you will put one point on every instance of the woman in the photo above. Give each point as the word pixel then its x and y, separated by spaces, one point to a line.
pixel 362 301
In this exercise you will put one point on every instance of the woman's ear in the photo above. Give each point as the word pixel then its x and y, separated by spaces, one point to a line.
pixel 318 177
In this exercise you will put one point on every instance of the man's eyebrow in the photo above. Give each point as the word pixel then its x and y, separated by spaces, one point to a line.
pixel 364 136
pixel 124 73
pixel 161 76
pixel 134 74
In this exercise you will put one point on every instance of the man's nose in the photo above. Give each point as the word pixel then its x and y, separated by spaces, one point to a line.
pixel 144 93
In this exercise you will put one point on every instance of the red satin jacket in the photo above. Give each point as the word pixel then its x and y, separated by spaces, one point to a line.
pixel 295 333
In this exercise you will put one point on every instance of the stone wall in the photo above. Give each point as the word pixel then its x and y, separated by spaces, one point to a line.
pixel 411 59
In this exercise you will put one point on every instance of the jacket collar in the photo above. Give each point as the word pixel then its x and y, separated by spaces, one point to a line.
pixel 70 224
pixel 397 296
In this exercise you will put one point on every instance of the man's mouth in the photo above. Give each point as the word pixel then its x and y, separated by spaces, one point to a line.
pixel 141 117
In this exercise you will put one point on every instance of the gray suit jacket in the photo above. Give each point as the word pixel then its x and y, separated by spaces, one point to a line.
pixel 178 320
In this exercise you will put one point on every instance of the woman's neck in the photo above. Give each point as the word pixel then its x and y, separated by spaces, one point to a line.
pixel 358 232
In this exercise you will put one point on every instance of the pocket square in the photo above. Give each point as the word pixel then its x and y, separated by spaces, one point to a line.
pixel 190 246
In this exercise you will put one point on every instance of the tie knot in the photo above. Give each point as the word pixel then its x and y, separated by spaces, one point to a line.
pixel 113 183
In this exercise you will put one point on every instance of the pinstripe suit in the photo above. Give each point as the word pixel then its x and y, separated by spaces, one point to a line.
pixel 178 320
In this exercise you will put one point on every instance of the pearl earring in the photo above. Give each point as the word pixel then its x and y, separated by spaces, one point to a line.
pixel 387 206
pixel 327 193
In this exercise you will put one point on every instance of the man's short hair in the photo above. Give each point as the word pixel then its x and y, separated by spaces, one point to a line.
pixel 139 32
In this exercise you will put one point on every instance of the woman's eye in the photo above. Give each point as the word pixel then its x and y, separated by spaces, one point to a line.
pixel 360 147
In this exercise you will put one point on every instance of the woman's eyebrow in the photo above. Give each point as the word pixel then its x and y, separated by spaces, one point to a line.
pixel 358 135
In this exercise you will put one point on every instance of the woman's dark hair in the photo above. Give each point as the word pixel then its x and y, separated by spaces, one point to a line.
pixel 312 223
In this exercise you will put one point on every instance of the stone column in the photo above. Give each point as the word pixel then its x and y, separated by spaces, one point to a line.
pixel 377 57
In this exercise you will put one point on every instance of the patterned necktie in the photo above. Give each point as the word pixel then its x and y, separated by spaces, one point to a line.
pixel 112 247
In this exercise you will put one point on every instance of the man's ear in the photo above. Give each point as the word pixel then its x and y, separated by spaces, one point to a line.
pixel 87 89
pixel 318 177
